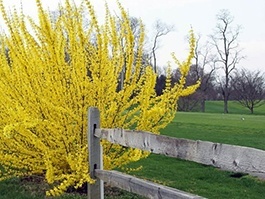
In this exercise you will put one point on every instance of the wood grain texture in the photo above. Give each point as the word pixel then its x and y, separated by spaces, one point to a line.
pixel 142 187
pixel 96 190
pixel 224 156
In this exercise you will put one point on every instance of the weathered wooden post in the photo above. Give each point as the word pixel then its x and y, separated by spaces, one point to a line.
pixel 96 190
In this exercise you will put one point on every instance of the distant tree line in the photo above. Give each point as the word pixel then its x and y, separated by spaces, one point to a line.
pixel 216 66
pixel 247 87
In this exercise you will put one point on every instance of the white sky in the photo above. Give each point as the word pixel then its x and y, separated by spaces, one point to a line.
pixel 200 14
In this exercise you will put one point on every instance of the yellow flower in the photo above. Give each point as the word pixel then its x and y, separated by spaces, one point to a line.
pixel 52 71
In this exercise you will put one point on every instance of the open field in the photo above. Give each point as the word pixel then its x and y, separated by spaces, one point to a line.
pixel 233 108
pixel 205 180
pixel 240 128
pixel 237 129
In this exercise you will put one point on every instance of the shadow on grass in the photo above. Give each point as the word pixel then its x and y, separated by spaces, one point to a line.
pixel 35 187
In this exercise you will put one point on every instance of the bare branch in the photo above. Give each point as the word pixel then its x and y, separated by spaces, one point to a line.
pixel 225 41
pixel 249 88
pixel 161 29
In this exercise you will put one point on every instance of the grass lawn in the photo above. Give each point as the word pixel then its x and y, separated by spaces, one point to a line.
pixel 24 189
pixel 198 179
pixel 239 127
pixel 233 108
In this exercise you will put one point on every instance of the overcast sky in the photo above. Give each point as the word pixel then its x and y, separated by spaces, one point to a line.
pixel 200 14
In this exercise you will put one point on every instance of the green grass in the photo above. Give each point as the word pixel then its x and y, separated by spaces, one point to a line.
pixel 13 189
pixel 238 127
pixel 198 179
pixel 233 108
pixel 16 188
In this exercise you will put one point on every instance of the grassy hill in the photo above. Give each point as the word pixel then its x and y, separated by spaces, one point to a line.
pixel 233 107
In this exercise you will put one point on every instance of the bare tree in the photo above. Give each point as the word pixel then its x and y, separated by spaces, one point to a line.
pixel 205 67
pixel 161 29
pixel 197 99
pixel 225 40
pixel 249 88
pixel 204 70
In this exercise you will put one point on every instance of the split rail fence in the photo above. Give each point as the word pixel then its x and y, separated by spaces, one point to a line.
pixel 223 156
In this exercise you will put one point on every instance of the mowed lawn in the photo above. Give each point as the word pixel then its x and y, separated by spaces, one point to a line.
pixel 233 107
pixel 238 127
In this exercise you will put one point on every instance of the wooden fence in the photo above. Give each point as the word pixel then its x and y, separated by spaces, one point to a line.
pixel 223 156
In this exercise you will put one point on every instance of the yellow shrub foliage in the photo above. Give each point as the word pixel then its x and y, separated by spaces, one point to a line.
pixel 51 71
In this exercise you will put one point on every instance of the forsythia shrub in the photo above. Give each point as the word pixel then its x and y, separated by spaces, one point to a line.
pixel 52 70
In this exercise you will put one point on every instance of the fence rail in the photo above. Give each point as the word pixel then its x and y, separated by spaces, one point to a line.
pixel 224 156
pixel 141 187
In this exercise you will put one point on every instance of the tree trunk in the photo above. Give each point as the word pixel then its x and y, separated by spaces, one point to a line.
pixel 226 91
pixel 225 104
pixel 203 105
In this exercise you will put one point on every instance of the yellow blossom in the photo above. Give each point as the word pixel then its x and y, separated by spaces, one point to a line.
pixel 51 71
